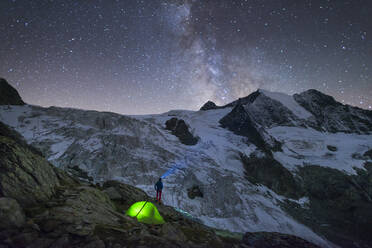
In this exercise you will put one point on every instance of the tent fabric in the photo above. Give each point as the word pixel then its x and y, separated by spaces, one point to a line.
pixel 146 212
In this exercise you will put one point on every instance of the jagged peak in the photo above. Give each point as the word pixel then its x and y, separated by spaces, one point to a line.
pixel 209 105
pixel 244 100
pixel 8 94
pixel 318 96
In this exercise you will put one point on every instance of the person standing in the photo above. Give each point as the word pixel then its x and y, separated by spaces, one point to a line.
pixel 158 187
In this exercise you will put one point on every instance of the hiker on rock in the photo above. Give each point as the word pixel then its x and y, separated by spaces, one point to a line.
pixel 158 188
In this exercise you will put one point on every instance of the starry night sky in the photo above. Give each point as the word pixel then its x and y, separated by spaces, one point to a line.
pixel 150 56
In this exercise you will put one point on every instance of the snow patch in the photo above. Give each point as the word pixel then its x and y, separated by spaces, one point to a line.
pixel 302 146
pixel 58 149
pixel 289 102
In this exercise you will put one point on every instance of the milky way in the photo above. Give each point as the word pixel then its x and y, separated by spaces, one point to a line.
pixel 148 56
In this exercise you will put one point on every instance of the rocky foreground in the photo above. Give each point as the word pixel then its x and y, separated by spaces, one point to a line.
pixel 43 206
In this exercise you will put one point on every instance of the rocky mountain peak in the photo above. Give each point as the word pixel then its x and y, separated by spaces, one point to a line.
pixel 8 94
pixel 317 98
pixel 333 116
pixel 244 100
pixel 208 106
pixel 310 108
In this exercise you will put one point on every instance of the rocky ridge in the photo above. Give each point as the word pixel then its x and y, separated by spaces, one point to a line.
pixel 9 95
pixel 322 112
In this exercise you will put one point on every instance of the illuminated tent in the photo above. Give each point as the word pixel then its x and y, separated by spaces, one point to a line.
pixel 145 212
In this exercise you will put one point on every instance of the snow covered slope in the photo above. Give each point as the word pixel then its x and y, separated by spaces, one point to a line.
pixel 304 146
pixel 289 102
pixel 138 150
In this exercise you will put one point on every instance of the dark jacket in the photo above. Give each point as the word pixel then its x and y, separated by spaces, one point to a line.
pixel 158 185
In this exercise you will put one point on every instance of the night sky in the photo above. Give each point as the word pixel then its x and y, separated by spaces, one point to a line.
pixel 150 56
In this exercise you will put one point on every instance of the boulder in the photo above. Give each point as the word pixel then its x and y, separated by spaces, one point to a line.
pixel 332 148
pixel 194 191
pixel 9 95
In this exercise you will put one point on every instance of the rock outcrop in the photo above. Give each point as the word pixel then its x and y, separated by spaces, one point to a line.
pixel 208 106
pixel 333 116
pixel 9 95
pixel 241 123
pixel 11 213
pixel 25 176
pixel 339 204
pixel 269 172
pixel 180 129
pixel 194 191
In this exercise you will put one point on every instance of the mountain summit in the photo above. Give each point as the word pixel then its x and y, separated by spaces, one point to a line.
pixel 9 95
pixel 311 109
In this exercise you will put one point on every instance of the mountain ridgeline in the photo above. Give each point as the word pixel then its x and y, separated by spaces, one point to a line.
pixel 269 162
pixel 9 95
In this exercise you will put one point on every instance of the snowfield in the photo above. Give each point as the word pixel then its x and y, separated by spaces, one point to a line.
pixel 304 146
pixel 138 149
pixel 289 102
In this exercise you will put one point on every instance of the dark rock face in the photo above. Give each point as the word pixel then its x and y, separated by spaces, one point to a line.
pixel 181 130
pixel 333 116
pixel 35 178
pixel 272 174
pixel 208 106
pixel 268 113
pixel 368 154
pixel 245 100
pixel 269 240
pixel 240 122
pixel 123 195
pixel 328 114
pixel 339 205
pixel 194 191
pixel 6 131
pixel 332 148
pixel 76 171
pixel 9 95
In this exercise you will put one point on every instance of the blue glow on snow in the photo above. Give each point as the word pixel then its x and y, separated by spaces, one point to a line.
pixel 178 165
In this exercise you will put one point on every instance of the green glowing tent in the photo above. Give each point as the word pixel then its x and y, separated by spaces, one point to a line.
pixel 145 212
